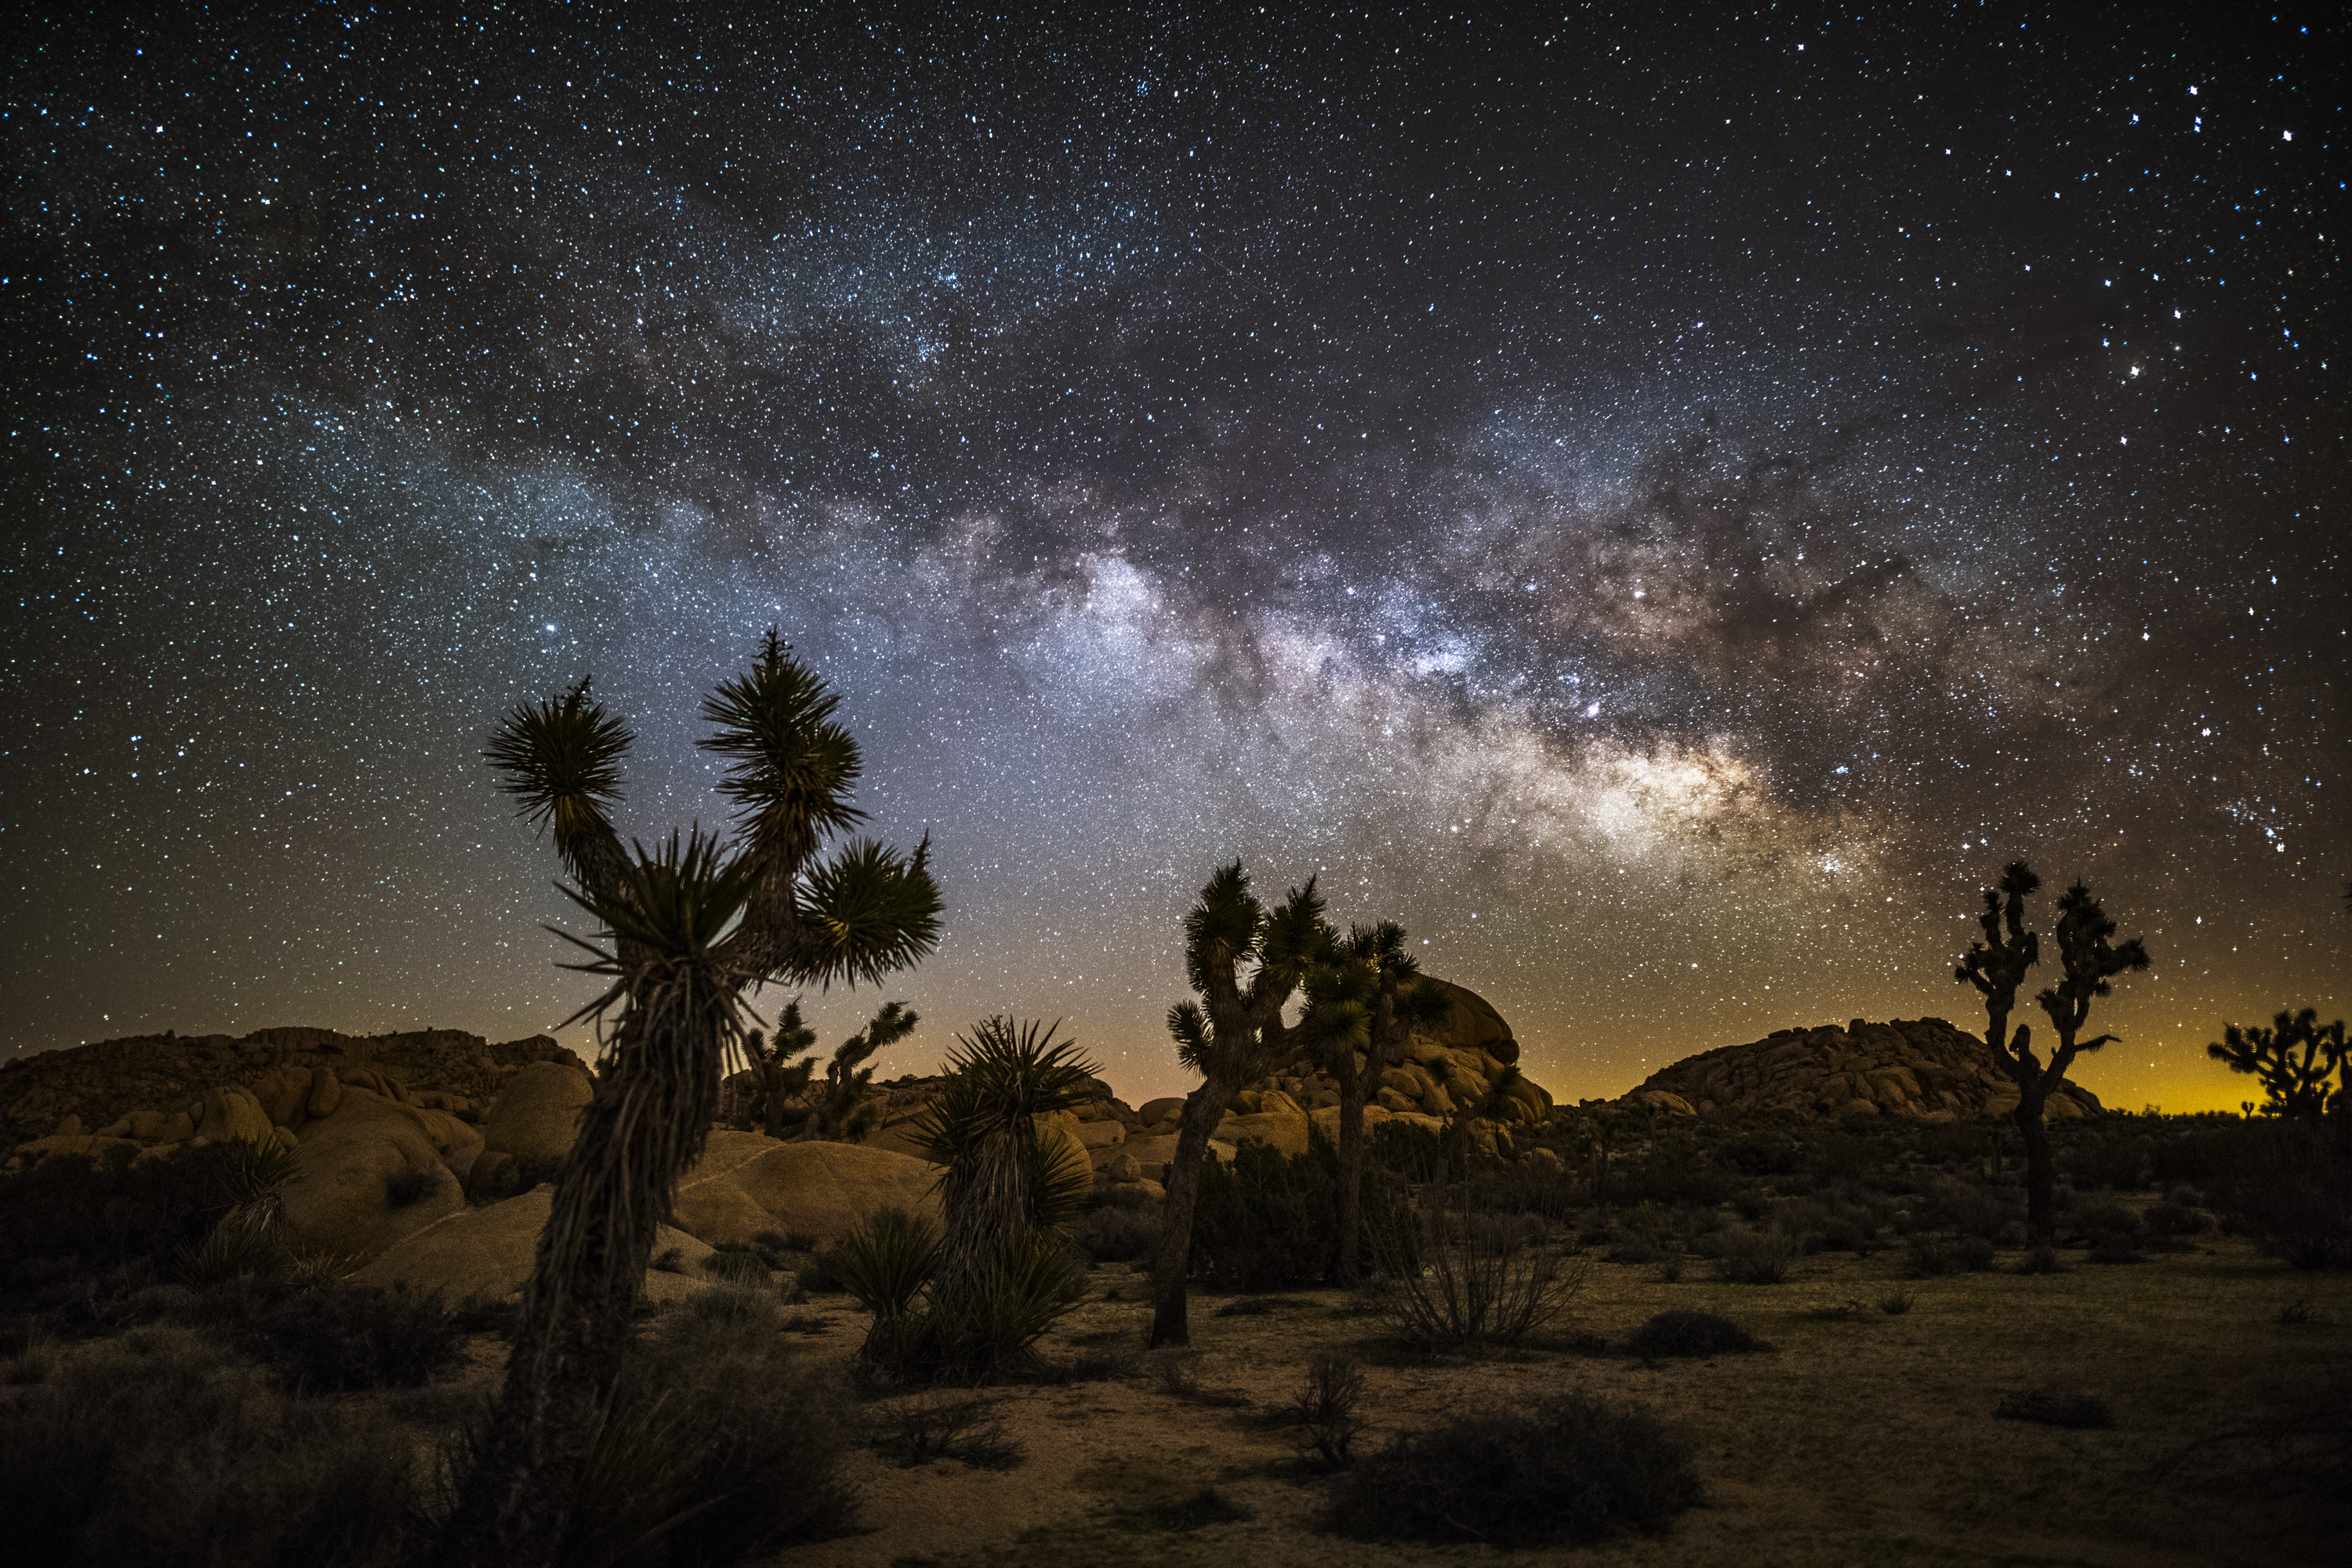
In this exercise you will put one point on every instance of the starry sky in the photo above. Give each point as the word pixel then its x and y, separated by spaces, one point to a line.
pixel 1663 505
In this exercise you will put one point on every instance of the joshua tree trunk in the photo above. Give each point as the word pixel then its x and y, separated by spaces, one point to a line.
pixel 646 1126
pixel 1172 1266
pixel 2041 1172
pixel 1353 1091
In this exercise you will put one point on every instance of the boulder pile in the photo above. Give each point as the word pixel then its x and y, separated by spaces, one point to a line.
pixel 1922 1067
pixel 1447 1067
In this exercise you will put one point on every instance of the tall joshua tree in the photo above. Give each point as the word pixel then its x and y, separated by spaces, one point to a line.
pixel 844 1107
pixel 1363 1008
pixel 1996 967
pixel 693 925
pixel 2293 1059
pixel 1244 962
pixel 779 1068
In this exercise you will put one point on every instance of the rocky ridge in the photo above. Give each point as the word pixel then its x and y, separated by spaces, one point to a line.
pixel 145 1087
pixel 1922 1067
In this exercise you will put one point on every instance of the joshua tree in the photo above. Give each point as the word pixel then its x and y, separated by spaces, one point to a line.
pixel 846 1110
pixel 1245 962
pixel 1363 1008
pixel 1996 967
pixel 779 1070
pixel 2293 1059
pixel 693 926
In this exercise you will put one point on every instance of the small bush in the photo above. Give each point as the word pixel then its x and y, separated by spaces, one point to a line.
pixel 157 1449
pixel 1929 1257
pixel 1683 1332
pixel 2054 1407
pixel 2041 1260
pixel 743 1267
pixel 1326 1407
pixel 2298 1313
pixel 1456 1279
pixel 1896 1302
pixel 1752 1257
pixel 356 1338
pixel 917 1430
pixel 1572 1470
pixel 723 1309
pixel 1119 1232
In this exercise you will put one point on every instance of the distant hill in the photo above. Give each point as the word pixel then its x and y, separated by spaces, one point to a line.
pixel 1922 1067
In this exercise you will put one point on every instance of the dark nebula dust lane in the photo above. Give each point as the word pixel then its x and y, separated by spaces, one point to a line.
pixel 1663 507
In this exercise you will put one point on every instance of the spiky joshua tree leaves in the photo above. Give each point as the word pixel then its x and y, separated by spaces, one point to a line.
pixel 1996 965
pixel 1244 963
pixel 2294 1058
pixel 693 925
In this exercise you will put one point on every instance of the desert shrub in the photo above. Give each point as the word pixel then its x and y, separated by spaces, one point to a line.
pixel 2054 1407
pixel 1759 1154
pixel 1119 1230
pixel 724 1309
pixel 1207 1506
pixel 355 1337
pixel 1264 1221
pixel 1896 1302
pixel 2041 1260
pixel 1572 1470
pixel 1476 1281
pixel 1929 1257
pixel 987 1328
pixel 1529 1186
pixel 923 1428
pixel 1963 1208
pixel 161 1450
pixel 739 1266
pixel 1683 1332
pixel 1326 1407
pixel 2170 1220
pixel 2288 1183
pixel 715 1445
pixel 885 1262
pixel 1753 1258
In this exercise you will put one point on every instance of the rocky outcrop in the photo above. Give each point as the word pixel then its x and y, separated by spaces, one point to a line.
pixel 160 1089
pixel 747 1182
pixel 1922 1067
pixel 491 1251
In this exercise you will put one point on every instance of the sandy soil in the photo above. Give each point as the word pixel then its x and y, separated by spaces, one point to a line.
pixel 1860 1438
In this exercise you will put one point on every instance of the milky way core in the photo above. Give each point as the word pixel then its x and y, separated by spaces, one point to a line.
pixel 1662 508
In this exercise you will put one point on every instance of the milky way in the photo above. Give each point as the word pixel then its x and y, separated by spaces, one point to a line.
pixel 1663 509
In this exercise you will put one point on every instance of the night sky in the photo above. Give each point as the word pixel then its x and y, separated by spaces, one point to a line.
pixel 1662 508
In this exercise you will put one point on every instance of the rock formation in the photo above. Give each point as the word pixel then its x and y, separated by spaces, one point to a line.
pixel 141 1088
pixel 1922 1067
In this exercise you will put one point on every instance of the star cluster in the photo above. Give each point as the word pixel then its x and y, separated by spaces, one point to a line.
pixel 1662 507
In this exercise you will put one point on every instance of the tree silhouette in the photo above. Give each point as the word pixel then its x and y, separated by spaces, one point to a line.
pixel 845 1107
pixel 779 1071
pixel 693 925
pixel 1244 962
pixel 1362 1008
pixel 2293 1059
pixel 1996 967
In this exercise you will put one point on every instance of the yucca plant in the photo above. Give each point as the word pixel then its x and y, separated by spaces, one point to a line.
pixel 1244 962
pixel 1002 1178
pixel 691 926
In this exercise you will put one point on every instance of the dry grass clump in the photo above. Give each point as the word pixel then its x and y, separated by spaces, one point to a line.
pixel 162 1451
pixel 923 1428
pixel 1569 1470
